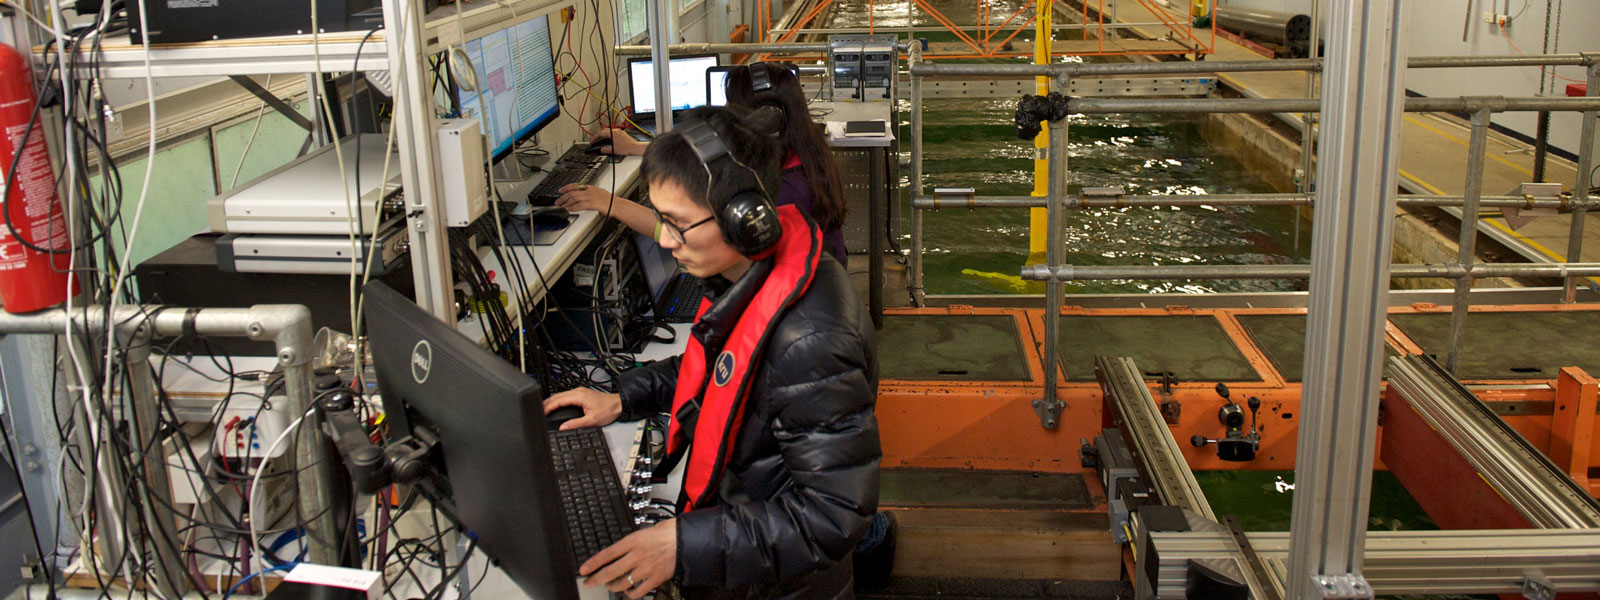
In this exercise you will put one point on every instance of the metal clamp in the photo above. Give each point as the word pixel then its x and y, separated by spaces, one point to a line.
pixel 1538 587
pixel 1346 586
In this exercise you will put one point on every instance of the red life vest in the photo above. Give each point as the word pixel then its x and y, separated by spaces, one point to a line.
pixel 721 400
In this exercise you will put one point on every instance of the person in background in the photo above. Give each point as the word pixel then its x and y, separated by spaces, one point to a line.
pixel 810 177
pixel 772 399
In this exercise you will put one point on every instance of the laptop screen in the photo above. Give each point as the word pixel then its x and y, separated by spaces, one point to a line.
pixel 686 76
pixel 660 268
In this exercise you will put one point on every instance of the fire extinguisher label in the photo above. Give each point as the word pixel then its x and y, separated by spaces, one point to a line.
pixel 36 222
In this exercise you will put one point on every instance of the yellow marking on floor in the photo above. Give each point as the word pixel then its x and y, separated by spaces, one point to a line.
pixel 1465 144
pixel 1541 248
pixel 1425 185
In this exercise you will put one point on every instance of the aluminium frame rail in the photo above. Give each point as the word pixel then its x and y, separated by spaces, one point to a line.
pixel 1527 479
pixel 1498 561
pixel 1167 472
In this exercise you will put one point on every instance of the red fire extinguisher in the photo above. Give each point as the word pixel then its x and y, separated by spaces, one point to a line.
pixel 31 278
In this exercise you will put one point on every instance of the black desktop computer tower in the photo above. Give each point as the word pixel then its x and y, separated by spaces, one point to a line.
pixel 602 298
pixel 186 275
pixel 200 20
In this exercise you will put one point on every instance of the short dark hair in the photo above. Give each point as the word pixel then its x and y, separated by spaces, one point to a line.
pixel 670 159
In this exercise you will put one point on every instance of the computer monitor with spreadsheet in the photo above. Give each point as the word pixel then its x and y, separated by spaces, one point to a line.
pixel 686 75
pixel 488 464
pixel 516 83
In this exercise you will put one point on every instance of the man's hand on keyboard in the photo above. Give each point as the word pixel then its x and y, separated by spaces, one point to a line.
pixel 599 408
pixel 582 196
pixel 617 141
pixel 638 563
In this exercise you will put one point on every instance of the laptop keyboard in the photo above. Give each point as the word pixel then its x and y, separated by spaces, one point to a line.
pixel 682 301
pixel 591 496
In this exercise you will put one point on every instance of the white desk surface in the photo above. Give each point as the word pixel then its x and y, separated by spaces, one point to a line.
pixel 551 260
pixel 857 111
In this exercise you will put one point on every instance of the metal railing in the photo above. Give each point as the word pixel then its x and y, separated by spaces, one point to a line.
pixel 1057 200
pixel 288 327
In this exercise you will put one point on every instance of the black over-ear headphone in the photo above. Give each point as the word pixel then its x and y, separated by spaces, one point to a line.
pixel 760 77
pixel 747 217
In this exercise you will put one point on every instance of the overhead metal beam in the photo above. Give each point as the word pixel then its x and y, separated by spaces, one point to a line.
pixel 1289 271
pixel 938 202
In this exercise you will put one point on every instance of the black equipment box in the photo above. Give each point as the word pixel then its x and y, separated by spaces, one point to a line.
pixel 200 20
pixel 186 275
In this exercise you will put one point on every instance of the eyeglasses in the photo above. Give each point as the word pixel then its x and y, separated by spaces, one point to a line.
pixel 679 234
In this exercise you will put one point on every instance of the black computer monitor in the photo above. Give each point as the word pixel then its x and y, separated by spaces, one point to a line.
pixel 489 466
pixel 685 74
pixel 516 77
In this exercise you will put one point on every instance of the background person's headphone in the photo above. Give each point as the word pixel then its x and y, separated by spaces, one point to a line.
pixel 748 219
pixel 760 76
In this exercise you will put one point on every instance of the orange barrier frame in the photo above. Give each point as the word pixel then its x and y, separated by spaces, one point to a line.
pixel 992 425
pixel 984 45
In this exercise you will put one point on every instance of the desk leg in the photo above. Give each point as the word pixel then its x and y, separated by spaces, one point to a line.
pixel 876 205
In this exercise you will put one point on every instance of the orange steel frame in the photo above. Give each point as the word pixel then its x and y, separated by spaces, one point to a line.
pixel 992 425
pixel 984 44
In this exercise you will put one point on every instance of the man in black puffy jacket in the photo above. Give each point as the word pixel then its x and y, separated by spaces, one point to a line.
pixel 773 400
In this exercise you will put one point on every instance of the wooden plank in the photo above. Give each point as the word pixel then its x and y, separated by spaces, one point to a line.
pixel 1053 545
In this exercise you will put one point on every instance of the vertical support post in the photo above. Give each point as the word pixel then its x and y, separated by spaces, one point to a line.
pixel 24 375
pixel 877 205
pixel 1352 239
pixel 1037 219
pixel 717 13
pixel 319 121
pixel 402 22
pixel 1308 125
pixel 161 542
pixel 1572 426
pixel 918 295
pixel 108 486
pixel 1580 194
pixel 660 29
pixel 1049 408
pixel 1468 247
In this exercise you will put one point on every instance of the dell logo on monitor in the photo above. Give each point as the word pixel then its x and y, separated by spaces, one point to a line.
pixel 421 361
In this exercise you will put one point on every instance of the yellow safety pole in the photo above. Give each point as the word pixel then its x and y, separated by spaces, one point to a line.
pixel 1037 224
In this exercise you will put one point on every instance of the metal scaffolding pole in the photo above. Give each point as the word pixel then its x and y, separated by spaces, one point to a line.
pixel 1049 407
pixel 918 293
pixel 1585 165
pixel 661 32
pixel 1243 66
pixel 413 122
pixel 747 48
pixel 1100 106
pixel 1352 238
pixel 287 326
pixel 1466 249
pixel 1081 202
pixel 1291 271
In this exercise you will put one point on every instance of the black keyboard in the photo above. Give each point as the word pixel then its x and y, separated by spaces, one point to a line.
pixel 591 496
pixel 574 166
pixel 682 300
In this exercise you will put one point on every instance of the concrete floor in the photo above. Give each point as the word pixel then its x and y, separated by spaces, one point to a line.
pixel 1433 151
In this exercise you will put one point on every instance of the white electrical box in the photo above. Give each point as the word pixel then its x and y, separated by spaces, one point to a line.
pixel 461 171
